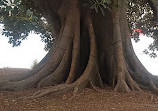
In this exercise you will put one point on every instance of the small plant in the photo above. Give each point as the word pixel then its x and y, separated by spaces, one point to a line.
pixel 98 5
pixel 34 64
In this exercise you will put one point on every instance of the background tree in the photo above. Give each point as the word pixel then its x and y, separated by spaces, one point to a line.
pixel 34 64
pixel 92 44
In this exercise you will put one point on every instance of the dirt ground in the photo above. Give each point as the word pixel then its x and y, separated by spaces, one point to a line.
pixel 86 100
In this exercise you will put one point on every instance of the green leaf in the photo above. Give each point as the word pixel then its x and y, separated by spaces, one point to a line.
pixel 1 3
pixel 104 6
pixel 108 1
pixel 16 1
pixel 28 13
pixel 16 23
pixel 103 1
pixel 5 1
pixel 102 10
pixel 8 8
pixel 34 23
pixel 92 6
pixel 11 1
pixel 97 1
pixel 109 9
pixel 34 17
pixel 15 11
pixel 85 4
pixel 96 9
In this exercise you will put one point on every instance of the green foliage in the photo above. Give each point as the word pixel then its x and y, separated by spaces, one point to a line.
pixel 16 19
pixel 98 5
pixel 140 16
pixel 34 64
pixel 101 5
pixel 21 17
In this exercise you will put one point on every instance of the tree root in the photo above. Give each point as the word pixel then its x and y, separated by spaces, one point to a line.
pixel 88 76
pixel 153 87
pixel 55 60
pixel 131 83
pixel 94 87
pixel 125 83
pixel 53 71
pixel 79 84
pixel 59 74
pixel 55 90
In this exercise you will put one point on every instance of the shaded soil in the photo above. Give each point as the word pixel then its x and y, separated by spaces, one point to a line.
pixel 86 100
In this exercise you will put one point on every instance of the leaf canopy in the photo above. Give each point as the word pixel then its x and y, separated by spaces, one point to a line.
pixel 21 17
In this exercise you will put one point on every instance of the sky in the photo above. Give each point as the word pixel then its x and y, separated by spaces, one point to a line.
pixel 32 48
pixel 149 63
pixel 22 56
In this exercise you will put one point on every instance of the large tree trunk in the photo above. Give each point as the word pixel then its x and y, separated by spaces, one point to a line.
pixel 90 50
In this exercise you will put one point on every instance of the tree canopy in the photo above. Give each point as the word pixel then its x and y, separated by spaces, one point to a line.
pixel 21 17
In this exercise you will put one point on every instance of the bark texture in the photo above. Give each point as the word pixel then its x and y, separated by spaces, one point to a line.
pixel 90 50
